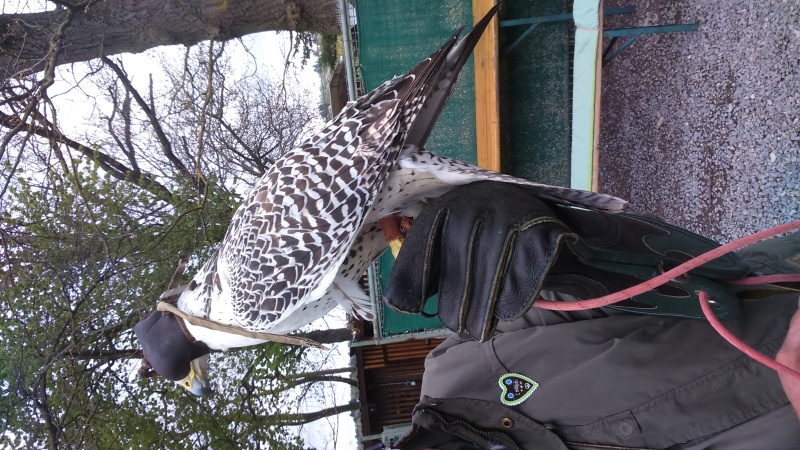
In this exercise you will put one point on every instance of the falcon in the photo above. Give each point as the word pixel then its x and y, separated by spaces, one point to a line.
pixel 310 226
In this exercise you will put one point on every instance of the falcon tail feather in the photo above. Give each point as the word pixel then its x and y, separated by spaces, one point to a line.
pixel 440 90
pixel 433 77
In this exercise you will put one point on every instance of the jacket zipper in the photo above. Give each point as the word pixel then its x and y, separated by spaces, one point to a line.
pixel 470 427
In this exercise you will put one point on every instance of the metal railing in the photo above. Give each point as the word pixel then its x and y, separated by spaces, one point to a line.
pixel 355 85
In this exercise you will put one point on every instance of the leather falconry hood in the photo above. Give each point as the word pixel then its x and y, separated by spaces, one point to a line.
pixel 166 346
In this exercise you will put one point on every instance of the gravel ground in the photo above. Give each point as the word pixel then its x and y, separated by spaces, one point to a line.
pixel 702 128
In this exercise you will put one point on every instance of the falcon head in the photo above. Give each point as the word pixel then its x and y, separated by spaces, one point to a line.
pixel 197 381
pixel 170 351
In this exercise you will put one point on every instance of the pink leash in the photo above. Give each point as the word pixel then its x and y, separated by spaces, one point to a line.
pixel 686 267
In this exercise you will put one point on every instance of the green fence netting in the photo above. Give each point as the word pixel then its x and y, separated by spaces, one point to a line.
pixel 394 35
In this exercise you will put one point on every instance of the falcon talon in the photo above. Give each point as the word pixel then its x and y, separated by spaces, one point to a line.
pixel 405 224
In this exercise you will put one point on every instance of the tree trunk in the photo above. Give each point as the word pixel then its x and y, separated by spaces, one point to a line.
pixel 322 375
pixel 112 27
pixel 329 336
pixel 304 418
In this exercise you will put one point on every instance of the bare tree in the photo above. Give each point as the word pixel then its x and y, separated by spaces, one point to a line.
pixel 90 29
pixel 205 123
pixel 259 121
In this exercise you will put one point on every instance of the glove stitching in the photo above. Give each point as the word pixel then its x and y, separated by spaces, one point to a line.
pixel 541 220
pixel 433 240
pixel 497 282
pixel 465 299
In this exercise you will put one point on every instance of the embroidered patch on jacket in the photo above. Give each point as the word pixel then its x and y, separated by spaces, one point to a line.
pixel 516 388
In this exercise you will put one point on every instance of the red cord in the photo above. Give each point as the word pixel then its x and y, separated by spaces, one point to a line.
pixel 736 342
pixel 668 275
pixel 767 279
pixel 686 267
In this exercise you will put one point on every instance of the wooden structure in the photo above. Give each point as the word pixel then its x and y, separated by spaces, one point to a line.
pixel 390 378
pixel 338 89
pixel 487 92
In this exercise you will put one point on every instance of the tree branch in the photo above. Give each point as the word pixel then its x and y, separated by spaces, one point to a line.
pixel 106 162
pixel 304 418
pixel 166 145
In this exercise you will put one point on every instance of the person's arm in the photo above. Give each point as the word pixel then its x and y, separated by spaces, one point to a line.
pixel 789 355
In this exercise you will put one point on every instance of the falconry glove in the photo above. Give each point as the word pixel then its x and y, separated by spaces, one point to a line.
pixel 489 248
pixel 485 248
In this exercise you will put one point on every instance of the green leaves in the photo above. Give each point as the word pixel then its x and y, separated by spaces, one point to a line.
pixel 86 259
pixel 88 256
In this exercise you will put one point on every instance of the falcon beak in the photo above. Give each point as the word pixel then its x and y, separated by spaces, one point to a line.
pixel 197 381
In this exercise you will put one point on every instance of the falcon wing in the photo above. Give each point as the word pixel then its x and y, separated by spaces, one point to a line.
pixel 289 238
